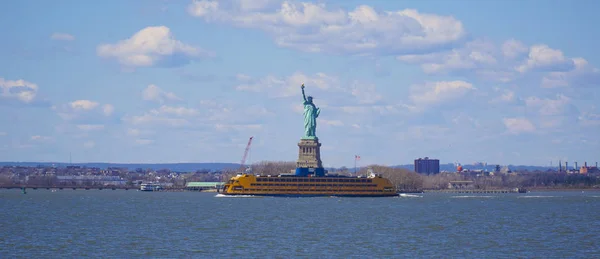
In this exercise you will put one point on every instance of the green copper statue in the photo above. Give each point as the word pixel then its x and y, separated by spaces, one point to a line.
pixel 311 112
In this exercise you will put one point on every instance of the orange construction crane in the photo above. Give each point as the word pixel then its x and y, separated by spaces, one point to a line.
pixel 243 163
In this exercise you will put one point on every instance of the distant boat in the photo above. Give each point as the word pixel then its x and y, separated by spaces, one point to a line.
pixel 150 187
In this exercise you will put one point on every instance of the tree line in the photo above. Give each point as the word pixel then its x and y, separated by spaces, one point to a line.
pixel 408 180
pixel 404 179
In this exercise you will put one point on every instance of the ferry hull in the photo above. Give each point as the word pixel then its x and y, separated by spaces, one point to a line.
pixel 309 186
pixel 295 195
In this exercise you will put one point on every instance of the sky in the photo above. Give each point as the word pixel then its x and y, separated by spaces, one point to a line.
pixel 159 81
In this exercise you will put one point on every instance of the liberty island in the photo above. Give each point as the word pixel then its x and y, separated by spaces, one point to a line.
pixel 309 178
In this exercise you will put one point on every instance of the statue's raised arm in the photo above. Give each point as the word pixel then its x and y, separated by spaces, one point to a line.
pixel 303 95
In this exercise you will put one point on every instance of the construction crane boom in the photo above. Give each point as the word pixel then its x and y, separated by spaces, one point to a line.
pixel 243 163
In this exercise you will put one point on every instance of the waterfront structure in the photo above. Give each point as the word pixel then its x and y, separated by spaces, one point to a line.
pixel 86 180
pixel 310 178
pixel 427 166
pixel 203 186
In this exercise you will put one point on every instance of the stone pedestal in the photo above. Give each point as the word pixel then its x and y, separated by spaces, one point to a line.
pixel 309 158
pixel 309 154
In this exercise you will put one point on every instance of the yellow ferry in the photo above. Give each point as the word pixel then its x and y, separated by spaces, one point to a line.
pixel 302 186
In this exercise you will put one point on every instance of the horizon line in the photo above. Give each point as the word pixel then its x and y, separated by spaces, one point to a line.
pixel 237 163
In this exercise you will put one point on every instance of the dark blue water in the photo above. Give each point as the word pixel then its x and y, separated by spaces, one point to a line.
pixel 126 224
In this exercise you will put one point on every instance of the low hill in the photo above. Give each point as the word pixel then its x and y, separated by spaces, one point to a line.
pixel 177 167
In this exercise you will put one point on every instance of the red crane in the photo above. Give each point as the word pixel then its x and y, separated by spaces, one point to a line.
pixel 246 153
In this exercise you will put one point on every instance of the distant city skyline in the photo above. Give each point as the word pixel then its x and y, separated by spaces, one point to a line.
pixel 164 81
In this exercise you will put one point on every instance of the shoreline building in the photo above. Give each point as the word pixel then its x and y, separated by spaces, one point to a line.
pixel 427 166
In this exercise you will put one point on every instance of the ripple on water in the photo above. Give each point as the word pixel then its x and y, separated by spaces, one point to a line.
pixel 182 225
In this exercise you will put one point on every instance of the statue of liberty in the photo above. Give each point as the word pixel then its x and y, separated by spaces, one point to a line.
pixel 311 112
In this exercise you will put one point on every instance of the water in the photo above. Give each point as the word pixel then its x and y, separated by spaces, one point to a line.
pixel 130 224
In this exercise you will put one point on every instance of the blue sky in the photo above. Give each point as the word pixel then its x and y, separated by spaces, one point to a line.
pixel 509 82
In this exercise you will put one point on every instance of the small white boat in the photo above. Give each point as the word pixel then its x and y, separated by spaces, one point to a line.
pixel 150 187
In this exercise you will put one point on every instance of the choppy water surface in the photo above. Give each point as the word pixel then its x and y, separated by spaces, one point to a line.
pixel 126 224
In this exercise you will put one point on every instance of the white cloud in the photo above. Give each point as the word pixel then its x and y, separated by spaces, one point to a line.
pixel 162 116
pixel 108 109
pixel 133 132
pixel 481 58
pixel 297 108
pixel 503 96
pixel 332 122
pixel 221 115
pixel 156 120
pixel 144 141
pixel 154 93
pixel 463 120
pixel 589 119
pixel 2 133
pixel 477 58
pixel 179 111
pixel 89 144
pixel 542 57
pixel 316 28
pixel 39 138
pixel 254 5
pixel 474 54
pixel 550 107
pixel 513 48
pixel 62 36
pixel 583 75
pixel 20 89
pixel 150 46
pixel 84 110
pixel 370 110
pixel 518 125
pixel 365 93
pixel 228 114
pixel 289 86
pixel 90 127
pixel 243 77
pixel 439 92
pixel 83 105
